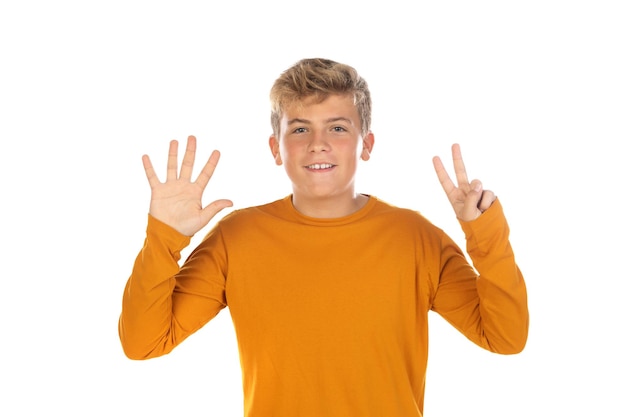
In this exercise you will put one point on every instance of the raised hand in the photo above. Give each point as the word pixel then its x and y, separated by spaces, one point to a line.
pixel 468 199
pixel 177 202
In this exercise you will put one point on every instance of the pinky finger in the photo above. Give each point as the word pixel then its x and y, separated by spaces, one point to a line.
pixel 150 174
pixel 486 200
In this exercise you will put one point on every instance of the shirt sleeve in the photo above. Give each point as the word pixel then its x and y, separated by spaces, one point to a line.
pixel 164 303
pixel 487 302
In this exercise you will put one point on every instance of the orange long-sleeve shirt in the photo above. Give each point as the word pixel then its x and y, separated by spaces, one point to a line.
pixel 331 315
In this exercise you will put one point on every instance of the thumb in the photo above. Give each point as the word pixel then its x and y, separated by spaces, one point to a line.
pixel 472 199
pixel 215 207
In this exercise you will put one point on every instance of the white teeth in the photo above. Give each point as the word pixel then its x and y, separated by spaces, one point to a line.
pixel 320 166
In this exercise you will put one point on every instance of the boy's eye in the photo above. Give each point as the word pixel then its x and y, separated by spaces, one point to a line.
pixel 299 130
pixel 339 129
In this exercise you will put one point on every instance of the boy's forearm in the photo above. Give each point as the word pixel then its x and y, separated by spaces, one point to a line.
pixel 504 314
pixel 145 321
pixel 501 287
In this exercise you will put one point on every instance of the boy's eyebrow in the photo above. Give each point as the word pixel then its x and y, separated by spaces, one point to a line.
pixel 339 119
pixel 329 120
pixel 297 120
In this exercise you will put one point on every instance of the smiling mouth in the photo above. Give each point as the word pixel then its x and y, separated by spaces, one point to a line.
pixel 319 166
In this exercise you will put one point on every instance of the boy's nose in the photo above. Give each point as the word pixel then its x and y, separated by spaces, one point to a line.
pixel 318 143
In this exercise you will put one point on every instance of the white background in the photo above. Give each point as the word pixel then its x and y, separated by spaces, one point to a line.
pixel 533 91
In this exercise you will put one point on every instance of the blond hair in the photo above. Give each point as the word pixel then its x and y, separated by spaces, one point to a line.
pixel 319 78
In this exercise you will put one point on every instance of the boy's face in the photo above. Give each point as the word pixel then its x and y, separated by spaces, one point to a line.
pixel 320 145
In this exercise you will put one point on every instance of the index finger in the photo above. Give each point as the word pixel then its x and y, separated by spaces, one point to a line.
pixel 208 169
pixel 459 165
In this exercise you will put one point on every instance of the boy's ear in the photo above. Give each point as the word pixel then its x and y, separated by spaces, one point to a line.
pixel 275 150
pixel 368 145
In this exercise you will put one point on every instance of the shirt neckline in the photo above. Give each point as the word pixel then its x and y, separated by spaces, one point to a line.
pixel 333 221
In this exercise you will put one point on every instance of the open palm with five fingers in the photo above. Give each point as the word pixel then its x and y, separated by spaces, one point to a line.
pixel 468 199
pixel 177 202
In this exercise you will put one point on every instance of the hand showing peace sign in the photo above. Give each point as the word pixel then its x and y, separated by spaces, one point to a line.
pixel 468 199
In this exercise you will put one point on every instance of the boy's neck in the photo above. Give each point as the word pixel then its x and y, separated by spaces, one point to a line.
pixel 329 208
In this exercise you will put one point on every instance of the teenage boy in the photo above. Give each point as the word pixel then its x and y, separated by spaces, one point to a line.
pixel 329 290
